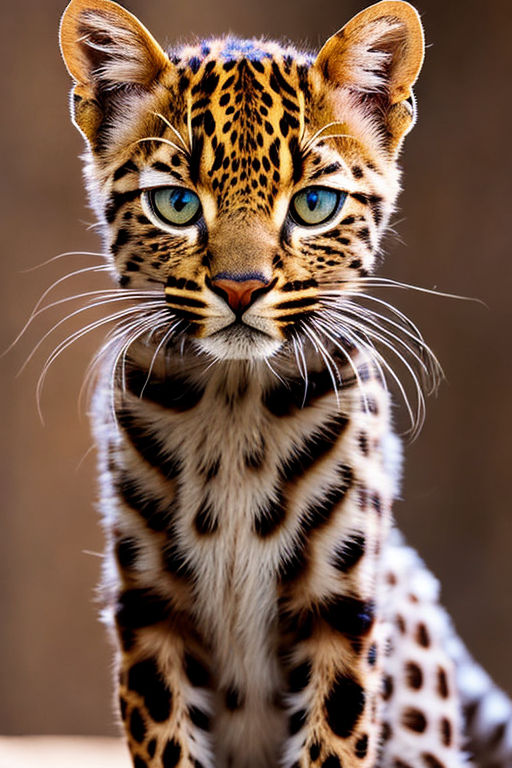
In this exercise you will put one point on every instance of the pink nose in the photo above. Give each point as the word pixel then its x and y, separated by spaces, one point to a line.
pixel 238 294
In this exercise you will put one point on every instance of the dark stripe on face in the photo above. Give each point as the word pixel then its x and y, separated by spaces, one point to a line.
pixel 233 698
pixel 174 393
pixel 374 202
pixel 332 168
pixel 117 200
pixel 297 721
pixel 283 83
pixel 306 301
pixel 147 443
pixel 299 625
pixel 183 301
pixel 293 564
pixel 128 167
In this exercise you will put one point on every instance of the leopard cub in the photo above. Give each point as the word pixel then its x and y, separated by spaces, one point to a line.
pixel 266 611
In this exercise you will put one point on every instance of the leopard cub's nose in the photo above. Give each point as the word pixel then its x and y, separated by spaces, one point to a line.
pixel 237 292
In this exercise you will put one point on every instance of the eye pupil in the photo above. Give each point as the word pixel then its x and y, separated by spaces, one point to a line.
pixel 179 199
pixel 312 200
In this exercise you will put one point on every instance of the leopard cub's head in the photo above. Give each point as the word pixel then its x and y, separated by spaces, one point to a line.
pixel 248 182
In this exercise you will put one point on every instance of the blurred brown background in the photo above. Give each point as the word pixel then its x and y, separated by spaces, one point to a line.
pixel 454 223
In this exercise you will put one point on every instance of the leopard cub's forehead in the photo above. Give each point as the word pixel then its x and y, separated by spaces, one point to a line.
pixel 246 102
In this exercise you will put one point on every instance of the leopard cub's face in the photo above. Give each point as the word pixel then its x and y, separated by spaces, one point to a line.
pixel 249 183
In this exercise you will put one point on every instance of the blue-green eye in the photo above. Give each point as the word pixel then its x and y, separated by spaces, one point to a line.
pixel 315 205
pixel 175 205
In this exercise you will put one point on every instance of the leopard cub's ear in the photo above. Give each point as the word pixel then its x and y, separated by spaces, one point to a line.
pixel 105 48
pixel 378 56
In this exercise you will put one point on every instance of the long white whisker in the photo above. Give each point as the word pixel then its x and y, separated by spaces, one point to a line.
pixel 173 129
pixel 347 356
pixel 326 358
pixel 158 320
pixel 368 297
pixel 347 316
pixel 144 327
pixel 35 311
pixel 189 122
pixel 115 316
pixel 387 282
pixel 161 141
pixel 416 420
pixel 121 294
pixel 301 365
pixel 164 339
pixel 61 256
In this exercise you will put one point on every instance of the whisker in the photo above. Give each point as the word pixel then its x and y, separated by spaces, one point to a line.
pixel 379 336
pixel 349 360
pixel 301 365
pixel 162 141
pixel 418 418
pixel 121 294
pixel 164 339
pixel 158 320
pixel 173 129
pixel 115 316
pixel 189 122
pixel 387 282
pixel 61 256
pixel 326 358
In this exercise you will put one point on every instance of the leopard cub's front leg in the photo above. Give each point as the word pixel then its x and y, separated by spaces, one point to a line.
pixel 333 641
pixel 164 682
pixel 334 689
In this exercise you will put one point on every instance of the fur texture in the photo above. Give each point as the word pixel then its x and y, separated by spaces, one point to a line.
pixel 265 610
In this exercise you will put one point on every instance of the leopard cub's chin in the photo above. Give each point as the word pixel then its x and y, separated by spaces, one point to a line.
pixel 239 342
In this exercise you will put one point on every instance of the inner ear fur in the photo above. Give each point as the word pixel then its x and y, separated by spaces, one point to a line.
pixel 105 48
pixel 378 55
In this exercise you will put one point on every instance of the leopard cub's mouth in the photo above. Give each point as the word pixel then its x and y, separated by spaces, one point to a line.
pixel 239 341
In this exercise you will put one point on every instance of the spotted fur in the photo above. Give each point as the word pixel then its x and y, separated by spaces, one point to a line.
pixel 265 609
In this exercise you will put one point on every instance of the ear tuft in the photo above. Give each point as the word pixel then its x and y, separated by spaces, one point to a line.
pixel 103 45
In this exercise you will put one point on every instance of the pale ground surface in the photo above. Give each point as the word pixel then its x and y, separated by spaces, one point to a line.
pixel 62 752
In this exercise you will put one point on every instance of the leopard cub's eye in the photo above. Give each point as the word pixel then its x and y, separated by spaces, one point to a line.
pixel 315 205
pixel 175 205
